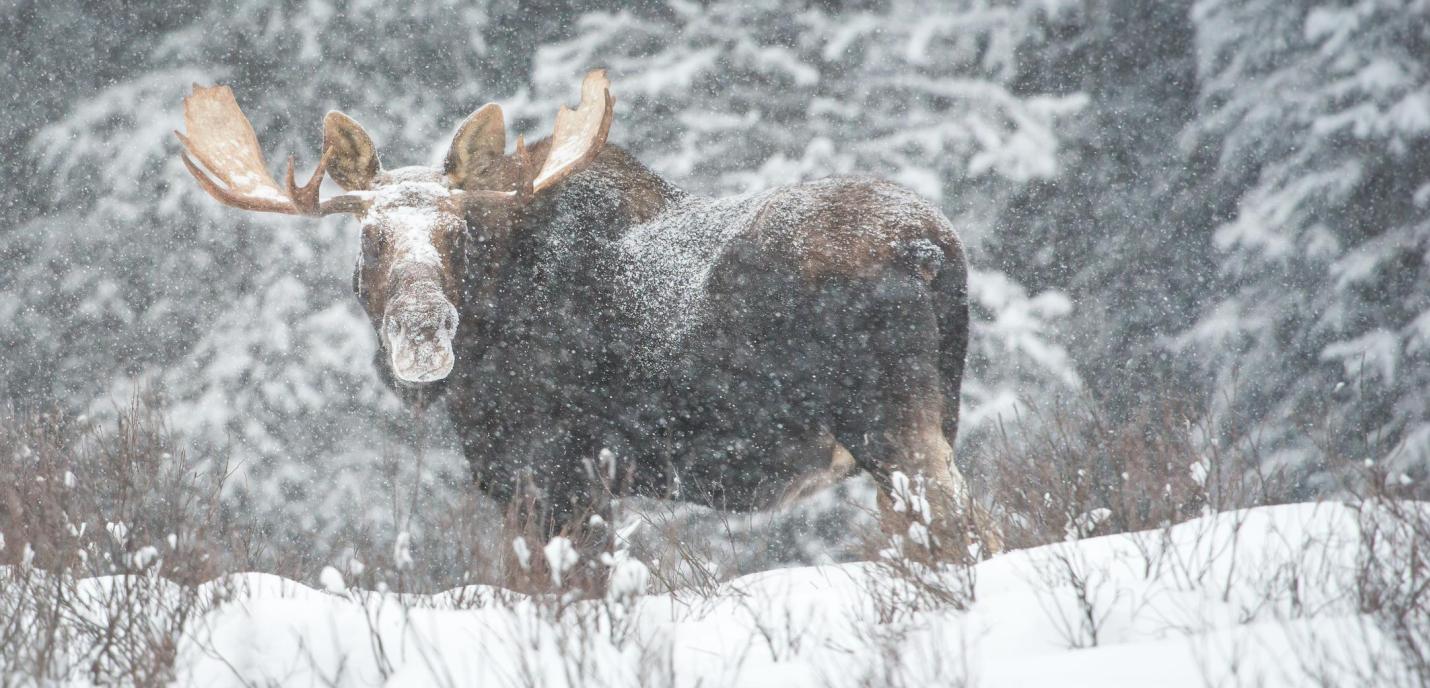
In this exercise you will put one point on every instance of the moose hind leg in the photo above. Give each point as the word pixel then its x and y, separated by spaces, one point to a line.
pixel 888 409
pixel 830 462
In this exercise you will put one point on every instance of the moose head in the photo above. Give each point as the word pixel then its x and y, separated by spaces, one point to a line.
pixel 415 220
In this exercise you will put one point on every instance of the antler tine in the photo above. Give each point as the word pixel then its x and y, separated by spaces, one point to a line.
pixel 305 197
pixel 224 195
pixel 524 188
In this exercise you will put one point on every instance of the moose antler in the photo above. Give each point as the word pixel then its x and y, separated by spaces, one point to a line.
pixel 578 134
pixel 221 137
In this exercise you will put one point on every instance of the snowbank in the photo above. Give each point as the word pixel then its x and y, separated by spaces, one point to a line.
pixel 1266 596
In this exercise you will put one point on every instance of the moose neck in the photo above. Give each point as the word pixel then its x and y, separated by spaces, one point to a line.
pixel 614 193
pixel 558 244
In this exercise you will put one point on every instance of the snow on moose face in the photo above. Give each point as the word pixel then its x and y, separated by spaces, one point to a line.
pixel 407 274
pixel 413 223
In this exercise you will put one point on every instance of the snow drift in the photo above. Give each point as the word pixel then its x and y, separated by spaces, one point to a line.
pixel 1266 596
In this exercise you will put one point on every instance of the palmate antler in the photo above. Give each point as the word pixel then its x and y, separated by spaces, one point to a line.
pixel 221 138
pixel 579 134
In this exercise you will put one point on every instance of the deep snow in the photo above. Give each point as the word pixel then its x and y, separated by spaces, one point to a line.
pixel 1266 596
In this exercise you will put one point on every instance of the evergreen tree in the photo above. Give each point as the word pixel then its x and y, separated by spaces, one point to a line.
pixel 1123 228
pixel 1318 117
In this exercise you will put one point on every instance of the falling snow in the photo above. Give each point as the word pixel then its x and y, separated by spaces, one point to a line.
pixel 1220 207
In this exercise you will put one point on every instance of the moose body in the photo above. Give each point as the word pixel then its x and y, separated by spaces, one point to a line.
pixel 719 346
pixel 598 331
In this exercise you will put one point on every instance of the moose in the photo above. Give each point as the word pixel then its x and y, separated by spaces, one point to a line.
pixel 598 331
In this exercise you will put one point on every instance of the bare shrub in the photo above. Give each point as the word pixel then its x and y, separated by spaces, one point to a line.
pixel 1067 472
pixel 81 500
pixel 909 578
pixel 1078 621
pixel 903 655
pixel 1392 575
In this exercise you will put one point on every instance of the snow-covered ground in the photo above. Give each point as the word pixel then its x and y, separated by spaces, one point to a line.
pixel 1266 596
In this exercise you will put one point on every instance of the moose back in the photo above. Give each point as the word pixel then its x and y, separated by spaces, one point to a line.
pixel 598 331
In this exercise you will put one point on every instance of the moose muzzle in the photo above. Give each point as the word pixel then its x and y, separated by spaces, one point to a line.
pixel 417 331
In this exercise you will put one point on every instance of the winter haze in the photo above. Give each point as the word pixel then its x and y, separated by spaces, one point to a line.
pixel 1217 205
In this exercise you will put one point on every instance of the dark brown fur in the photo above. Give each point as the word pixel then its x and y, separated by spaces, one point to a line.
pixel 837 322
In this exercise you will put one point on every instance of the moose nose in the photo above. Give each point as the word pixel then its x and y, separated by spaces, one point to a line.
pixel 419 343
pixel 418 366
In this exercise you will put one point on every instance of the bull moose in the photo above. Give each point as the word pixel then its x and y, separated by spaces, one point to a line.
pixel 596 330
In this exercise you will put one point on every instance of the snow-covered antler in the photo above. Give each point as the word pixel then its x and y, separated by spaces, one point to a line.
pixel 578 134
pixel 221 138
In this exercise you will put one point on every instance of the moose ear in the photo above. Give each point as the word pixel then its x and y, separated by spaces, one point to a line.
pixel 475 160
pixel 352 158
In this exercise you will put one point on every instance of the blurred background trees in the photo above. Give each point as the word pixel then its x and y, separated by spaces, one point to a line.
pixel 1221 200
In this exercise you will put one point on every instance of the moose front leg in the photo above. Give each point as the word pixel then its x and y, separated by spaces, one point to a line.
pixel 826 463
pixel 566 505
pixel 525 461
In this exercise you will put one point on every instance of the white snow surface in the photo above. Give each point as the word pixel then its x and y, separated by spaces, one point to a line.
pixel 1254 597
